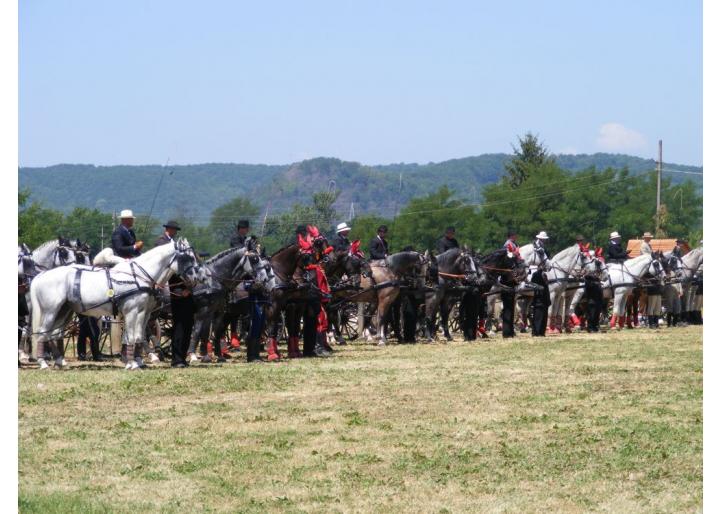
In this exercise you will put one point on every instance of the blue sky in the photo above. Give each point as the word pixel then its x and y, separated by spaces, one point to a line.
pixel 138 82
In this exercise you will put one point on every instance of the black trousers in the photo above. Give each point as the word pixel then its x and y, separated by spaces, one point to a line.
pixel 540 317
pixel 409 311
pixel 508 313
pixel 89 329
pixel 594 295
pixel 183 318
pixel 310 314
pixel 469 315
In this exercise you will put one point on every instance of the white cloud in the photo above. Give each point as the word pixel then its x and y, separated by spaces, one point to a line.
pixel 614 137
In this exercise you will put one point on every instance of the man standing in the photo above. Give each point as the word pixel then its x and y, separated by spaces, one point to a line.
pixel 182 306
pixel 239 237
pixel 540 303
pixel 341 243
pixel 124 242
pixel 615 252
pixel 447 242
pixel 645 247
pixel 379 247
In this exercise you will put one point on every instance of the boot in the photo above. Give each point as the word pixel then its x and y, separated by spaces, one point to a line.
pixel 273 354
pixel 294 347
pixel 635 319
pixel 569 324
pixel 613 321
pixel 675 319
pixel 621 322
pixel 481 329
pixel 628 321
pixel 575 320
pixel 234 342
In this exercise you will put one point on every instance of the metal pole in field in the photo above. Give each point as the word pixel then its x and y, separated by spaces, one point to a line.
pixel 659 184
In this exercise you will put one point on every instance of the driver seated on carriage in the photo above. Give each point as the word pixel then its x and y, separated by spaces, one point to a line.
pixel 379 247
pixel 615 253
pixel 511 244
pixel 539 243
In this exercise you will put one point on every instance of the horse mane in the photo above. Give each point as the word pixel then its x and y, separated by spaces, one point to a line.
pixel 448 256
pixel 224 253
pixel 46 245
pixel 484 259
pixel 396 258
pixel 564 253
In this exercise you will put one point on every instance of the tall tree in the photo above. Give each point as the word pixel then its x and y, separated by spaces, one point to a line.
pixel 529 157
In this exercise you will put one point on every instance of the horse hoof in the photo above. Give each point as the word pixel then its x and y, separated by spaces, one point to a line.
pixel 23 357
pixel 43 364
pixel 132 366
pixel 193 357
pixel 59 363
pixel 154 359
pixel 139 361
pixel 381 343
pixel 273 357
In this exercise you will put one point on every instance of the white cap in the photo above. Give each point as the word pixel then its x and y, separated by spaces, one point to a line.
pixel 341 227
pixel 614 235
pixel 126 213
pixel 542 235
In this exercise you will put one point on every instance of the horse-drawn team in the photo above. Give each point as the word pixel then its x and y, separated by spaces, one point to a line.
pixel 309 288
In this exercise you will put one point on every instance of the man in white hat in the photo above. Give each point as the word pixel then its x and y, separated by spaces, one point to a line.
pixel 124 242
pixel 645 247
pixel 539 242
pixel 615 252
pixel 341 242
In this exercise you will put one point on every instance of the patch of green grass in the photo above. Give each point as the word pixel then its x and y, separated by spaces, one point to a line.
pixel 567 424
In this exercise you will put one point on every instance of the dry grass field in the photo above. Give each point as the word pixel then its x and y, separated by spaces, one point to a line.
pixel 609 422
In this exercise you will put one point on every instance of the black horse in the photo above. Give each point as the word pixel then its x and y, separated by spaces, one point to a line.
pixel 454 271
pixel 225 271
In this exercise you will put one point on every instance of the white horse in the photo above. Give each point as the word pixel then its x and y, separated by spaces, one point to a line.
pixel 622 278
pixel 129 287
pixel 49 255
pixel 565 268
pixel 688 267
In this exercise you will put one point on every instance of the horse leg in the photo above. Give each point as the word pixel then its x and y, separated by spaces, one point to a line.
pixel 274 321
pixel 431 305
pixel 444 315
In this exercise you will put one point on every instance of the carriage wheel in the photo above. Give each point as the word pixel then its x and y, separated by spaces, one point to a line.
pixel 348 321
pixel 454 318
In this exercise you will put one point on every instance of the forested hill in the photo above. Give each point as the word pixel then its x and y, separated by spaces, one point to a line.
pixel 196 190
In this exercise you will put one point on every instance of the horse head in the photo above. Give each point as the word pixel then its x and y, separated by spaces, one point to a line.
pixel 185 263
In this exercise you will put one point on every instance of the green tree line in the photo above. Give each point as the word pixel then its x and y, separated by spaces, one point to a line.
pixel 534 194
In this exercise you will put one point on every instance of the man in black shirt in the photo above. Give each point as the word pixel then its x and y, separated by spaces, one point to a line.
pixel 182 305
pixel 341 243
pixel 615 252
pixel 447 242
pixel 124 242
pixel 238 239
pixel 379 247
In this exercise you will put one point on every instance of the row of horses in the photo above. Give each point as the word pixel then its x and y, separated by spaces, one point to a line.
pixel 63 282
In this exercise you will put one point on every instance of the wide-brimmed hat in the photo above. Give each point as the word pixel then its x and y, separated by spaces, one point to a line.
pixel 126 213
pixel 243 224
pixel 172 224
pixel 647 234
pixel 614 235
pixel 342 227
pixel 579 237
pixel 542 235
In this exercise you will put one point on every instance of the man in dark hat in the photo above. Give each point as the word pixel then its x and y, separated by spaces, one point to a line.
pixel 447 242
pixel 239 237
pixel 182 305
pixel 379 247
pixel 171 230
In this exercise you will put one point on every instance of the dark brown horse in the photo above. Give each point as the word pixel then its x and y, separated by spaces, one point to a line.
pixel 297 295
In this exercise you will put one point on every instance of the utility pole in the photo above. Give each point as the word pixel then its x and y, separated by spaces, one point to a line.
pixel 102 236
pixel 659 184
